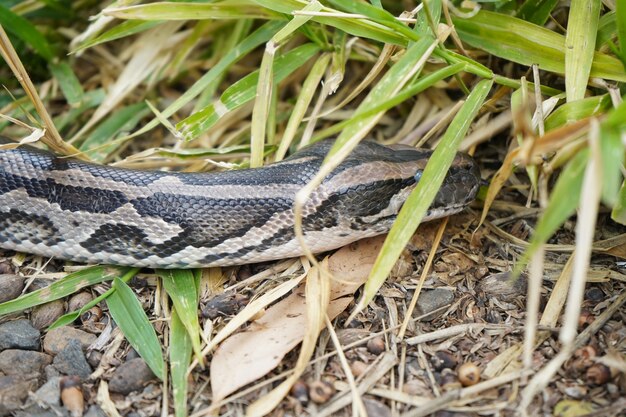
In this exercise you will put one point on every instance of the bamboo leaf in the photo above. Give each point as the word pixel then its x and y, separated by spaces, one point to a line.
pixel 258 37
pixel 124 29
pixel 244 91
pixel 26 31
pixel 180 285
pixel 419 201
pixel 72 90
pixel 563 202
pixel 525 43
pixel 70 317
pixel 582 28
pixel 226 9
pixel 63 287
pixel 180 356
pixel 132 320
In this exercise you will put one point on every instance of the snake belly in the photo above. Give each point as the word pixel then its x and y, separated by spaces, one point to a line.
pixel 73 210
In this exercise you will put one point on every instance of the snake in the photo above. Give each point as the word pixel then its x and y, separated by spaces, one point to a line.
pixel 68 209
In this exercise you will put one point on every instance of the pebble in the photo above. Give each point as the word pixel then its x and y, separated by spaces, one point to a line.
pixel 376 408
pixel 13 391
pixel 71 361
pixel 130 376
pixel 431 300
pixel 95 411
pixel 45 402
pixel 23 362
pixel 57 339
pixel 11 287
pixel 46 314
pixel 19 334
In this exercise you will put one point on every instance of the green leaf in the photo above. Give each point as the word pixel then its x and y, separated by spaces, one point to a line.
pixel 363 28
pixel 389 85
pixel 612 151
pixel 132 320
pixel 181 287
pixel 577 110
pixel 180 356
pixel 225 9
pixel 421 197
pixel 537 11
pixel 620 20
pixel 244 91
pixel 377 15
pixel 63 287
pixel 258 37
pixel 619 211
pixel 563 203
pixel 525 43
pixel 70 86
pixel 98 144
pixel 70 317
pixel 124 29
pixel 582 28
pixel 26 31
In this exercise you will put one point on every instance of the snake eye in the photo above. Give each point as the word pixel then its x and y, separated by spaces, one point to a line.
pixel 417 176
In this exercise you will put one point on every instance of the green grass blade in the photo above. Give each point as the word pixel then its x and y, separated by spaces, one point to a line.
pixel 363 28
pixel 612 134
pixel 413 89
pixel 226 9
pixel 132 320
pixel 181 287
pixel 99 144
pixel 180 357
pixel 620 20
pixel 377 15
pixel 26 31
pixel 124 29
pixel 70 317
pixel 525 43
pixel 563 202
pixel 537 11
pixel 244 91
pixel 265 85
pixel 70 86
pixel 619 210
pixel 582 28
pixel 577 110
pixel 419 201
pixel 390 84
pixel 258 37
pixel 63 287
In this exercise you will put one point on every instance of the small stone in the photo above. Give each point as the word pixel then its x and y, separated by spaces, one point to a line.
pixel 46 314
pixel 49 393
pixel 11 287
pixel 376 408
pixel 13 391
pixel 95 411
pixel 23 362
pixel 19 334
pixel 71 361
pixel 131 376
pixel 431 300
pixel 57 339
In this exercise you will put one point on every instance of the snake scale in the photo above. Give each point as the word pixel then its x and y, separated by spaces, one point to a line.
pixel 73 210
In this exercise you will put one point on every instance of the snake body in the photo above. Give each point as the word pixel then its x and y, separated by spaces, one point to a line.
pixel 73 210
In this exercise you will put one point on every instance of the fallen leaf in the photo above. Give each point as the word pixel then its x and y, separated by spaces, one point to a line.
pixel 247 356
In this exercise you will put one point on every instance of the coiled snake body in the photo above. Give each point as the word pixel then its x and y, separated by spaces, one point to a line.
pixel 68 209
